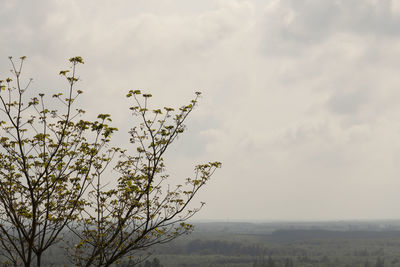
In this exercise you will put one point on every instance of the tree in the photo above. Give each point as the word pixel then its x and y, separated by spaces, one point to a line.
pixel 154 263
pixel 52 165
pixel 380 262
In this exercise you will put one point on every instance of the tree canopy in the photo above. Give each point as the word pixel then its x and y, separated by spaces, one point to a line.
pixel 52 165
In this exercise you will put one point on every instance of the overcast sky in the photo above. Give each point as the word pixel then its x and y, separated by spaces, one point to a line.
pixel 301 98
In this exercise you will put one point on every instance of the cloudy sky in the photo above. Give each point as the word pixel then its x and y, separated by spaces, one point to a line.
pixel 301 98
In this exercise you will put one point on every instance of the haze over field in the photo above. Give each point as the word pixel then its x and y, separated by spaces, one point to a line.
pixel 300 97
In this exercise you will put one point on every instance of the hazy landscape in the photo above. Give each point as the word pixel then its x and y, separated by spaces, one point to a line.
pixel 342 243
pixel 330 243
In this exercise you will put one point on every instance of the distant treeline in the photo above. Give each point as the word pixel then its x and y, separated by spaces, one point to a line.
pixel 212 247
pixel 298 235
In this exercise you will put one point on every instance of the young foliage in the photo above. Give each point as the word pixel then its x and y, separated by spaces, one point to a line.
pixel 51 177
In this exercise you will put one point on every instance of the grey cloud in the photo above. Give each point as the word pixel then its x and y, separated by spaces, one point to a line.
pixel 313 21
pixel 348 102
